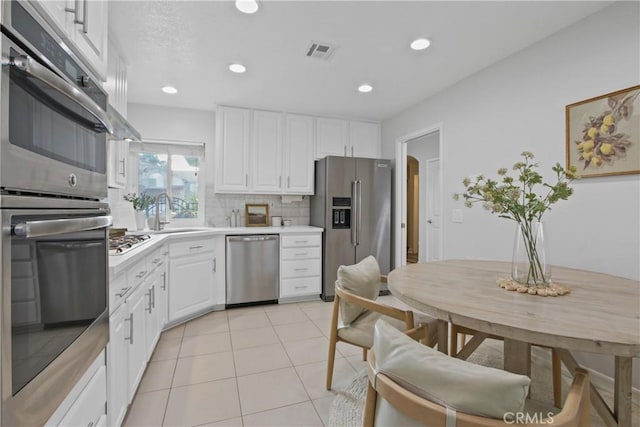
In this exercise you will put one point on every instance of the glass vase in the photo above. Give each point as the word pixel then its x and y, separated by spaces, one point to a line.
pixel 529 265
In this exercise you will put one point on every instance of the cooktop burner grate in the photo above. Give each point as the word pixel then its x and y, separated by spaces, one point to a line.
pixel 122 244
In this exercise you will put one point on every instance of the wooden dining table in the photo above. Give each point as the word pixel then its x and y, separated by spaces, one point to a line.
pixel 600 315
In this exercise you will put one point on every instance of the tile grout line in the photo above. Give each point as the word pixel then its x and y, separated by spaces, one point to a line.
pixel 166 405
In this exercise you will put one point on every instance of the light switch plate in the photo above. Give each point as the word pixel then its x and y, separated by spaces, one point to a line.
pixel 456 215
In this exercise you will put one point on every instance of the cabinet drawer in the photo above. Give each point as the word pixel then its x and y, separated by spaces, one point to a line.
pixel 118 289
pixel 301 268
pixel 156 259
pixel 90 405
pixel 300 286
pixel 300 253
pixel 301 240
pixel 137 272
pixel 190 247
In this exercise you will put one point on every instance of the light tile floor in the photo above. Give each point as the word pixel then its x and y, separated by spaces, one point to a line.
pixel 255 366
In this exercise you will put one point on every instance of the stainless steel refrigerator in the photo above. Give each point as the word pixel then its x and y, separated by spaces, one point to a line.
pixel 352 202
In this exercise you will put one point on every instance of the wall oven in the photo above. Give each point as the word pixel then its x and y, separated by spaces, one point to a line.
pixel 54 301
pixel 53 120
pixel 54 235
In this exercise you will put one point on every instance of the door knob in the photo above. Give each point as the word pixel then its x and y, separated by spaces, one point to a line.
pixel 429 221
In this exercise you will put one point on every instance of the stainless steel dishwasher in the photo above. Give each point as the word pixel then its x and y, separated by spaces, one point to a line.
pixel 253 269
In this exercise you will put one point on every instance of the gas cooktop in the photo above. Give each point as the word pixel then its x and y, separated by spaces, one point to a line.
pixel 122 244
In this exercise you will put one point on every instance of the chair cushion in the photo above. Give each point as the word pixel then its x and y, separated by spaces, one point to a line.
pixel 455 383
pixel 360 331
pixel 361 279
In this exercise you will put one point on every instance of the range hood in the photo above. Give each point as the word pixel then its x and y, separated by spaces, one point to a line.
pixel 122 129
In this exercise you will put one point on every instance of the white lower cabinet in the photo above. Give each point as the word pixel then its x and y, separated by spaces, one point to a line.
pixel 193 271
pixel 136 335
pixel 86 404
pixel 139 307
pixel 300 265
pixel 118 365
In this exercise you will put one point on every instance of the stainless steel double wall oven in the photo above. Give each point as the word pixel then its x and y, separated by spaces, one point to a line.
pixel 54 237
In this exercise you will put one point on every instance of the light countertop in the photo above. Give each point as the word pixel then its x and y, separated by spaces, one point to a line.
pixel 119 262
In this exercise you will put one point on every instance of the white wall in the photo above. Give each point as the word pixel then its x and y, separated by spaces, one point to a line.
pixel 424 148
pixel 518 104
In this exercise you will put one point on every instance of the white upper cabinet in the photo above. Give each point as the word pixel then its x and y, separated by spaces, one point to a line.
pixel 350 138
pixel 83 24
pixel 298 154
pixel 90 35
pixel 266 152
pixel 232 149
pixel 118 163
pixel 365 139
pixel 332 137
pixel 116 84
pixel 278 151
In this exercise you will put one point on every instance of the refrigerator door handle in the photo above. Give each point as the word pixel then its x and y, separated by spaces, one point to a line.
pixel 359 214
pixel 354 211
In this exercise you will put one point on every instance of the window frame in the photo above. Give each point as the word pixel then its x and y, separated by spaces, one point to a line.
pixel 170 148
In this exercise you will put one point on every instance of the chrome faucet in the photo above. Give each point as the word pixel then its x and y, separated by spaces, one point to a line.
pixel 157 224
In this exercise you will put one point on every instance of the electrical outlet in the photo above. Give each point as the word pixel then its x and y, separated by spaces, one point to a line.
pixel 456 215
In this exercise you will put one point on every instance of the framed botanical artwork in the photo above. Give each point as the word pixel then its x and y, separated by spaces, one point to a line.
pixel 256 215
pixel 603 134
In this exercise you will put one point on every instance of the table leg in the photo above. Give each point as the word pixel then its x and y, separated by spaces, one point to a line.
pixel 597 402
pixel 443 336
pixel 622 392
pixel 517 357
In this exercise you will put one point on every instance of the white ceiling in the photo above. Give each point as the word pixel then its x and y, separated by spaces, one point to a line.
pixel 190 44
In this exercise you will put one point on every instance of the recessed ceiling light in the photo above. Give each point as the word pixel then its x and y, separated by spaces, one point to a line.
pixel 170 90
pixel 237 68
pixel 420 44
pixel 365 88
pixel 247 6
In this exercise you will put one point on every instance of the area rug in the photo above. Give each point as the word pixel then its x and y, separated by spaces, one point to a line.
pixel 346 408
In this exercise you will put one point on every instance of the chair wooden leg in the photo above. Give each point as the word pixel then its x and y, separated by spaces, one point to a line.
pixel 369 406
pixel 364 354
pixel 556 369
pixel 333 340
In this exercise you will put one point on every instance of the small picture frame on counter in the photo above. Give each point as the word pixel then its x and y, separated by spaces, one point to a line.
pixel 256 215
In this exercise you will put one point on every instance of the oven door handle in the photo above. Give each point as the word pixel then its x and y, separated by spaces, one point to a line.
pixel 51 79
pixel 60 226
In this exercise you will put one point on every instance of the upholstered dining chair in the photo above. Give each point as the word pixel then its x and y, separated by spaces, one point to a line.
pixel 457 330
pixel 355 311
pixel 410 384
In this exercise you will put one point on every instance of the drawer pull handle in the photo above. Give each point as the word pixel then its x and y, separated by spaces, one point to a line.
pixel 300 269
pixel 301 287
pixel 155 261
pixel 165 253
pixel 301 241
pixel 301 253
pixel 123 291
pixel 141 274
pixel 130 337
pixel 196 247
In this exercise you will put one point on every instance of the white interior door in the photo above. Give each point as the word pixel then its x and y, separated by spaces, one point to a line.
pixel 434 211
pixel 403 208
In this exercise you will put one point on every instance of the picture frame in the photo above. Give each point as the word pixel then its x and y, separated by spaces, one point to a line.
pixel 256 215
pixel 603 134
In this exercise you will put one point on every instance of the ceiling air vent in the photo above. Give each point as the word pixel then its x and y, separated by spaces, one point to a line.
pixel 320 50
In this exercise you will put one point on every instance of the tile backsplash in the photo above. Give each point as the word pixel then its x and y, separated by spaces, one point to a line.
pixel 219 207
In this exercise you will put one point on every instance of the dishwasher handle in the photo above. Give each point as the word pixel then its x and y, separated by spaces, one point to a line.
pixel 259 238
